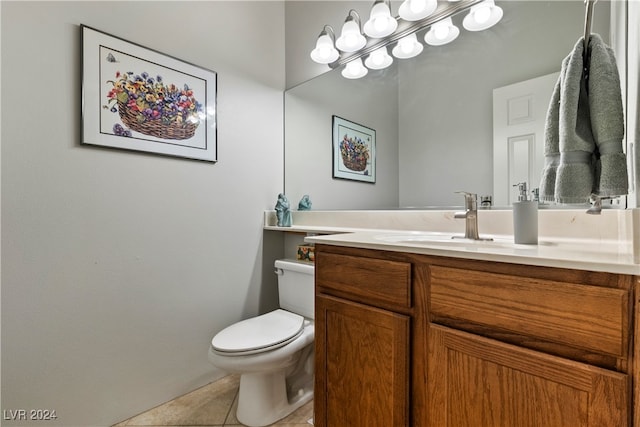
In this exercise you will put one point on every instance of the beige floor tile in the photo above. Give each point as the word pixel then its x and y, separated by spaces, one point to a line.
pixel 213 405
pixel 298 418
pixel 206 406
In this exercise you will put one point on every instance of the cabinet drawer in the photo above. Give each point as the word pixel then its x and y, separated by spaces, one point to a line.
pixel 588 317
pixel 367 280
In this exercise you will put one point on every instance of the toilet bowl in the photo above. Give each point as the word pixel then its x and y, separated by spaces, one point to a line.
pixel 273 352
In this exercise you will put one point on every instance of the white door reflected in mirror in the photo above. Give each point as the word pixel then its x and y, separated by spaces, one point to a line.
pixel 519 113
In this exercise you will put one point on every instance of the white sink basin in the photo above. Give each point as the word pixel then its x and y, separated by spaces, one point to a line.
pixel 448 239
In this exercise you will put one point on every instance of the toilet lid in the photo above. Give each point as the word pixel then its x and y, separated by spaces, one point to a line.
pixel 270 330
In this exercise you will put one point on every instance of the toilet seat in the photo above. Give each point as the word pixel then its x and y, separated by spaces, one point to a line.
pixel 259 334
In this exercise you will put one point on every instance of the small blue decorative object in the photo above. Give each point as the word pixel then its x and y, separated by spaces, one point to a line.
pixel 282 211
pixel 305 203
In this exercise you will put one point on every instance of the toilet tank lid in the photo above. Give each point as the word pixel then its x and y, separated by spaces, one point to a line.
pixel 293 265
pixel 263 331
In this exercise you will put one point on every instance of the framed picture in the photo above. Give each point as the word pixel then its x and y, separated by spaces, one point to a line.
pixel 135 98
pixel 354 151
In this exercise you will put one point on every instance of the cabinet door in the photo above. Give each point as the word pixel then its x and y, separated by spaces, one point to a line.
pixel 475 381
pixel 361 365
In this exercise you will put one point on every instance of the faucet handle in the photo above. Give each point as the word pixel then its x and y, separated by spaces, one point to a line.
pixel 470 199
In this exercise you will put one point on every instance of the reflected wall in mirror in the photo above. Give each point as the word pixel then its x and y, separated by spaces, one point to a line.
pixel 432 113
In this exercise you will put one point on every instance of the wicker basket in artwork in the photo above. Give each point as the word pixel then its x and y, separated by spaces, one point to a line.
pixel 355 153
pixel 356 164
pixel 155 127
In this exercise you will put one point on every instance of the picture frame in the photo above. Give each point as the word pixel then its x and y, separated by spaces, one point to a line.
pixel 136 98
pixel 354 151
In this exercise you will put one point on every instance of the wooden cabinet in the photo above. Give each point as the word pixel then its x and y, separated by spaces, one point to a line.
pixel 416 340
pixel 474 381
pixel 363 365
pixel 363 310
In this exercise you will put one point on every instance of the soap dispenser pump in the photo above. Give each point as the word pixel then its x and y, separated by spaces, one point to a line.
pixel 525 218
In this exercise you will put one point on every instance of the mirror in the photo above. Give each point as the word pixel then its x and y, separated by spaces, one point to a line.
pixel 432 114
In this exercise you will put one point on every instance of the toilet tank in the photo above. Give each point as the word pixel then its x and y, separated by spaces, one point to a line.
pixel 296 287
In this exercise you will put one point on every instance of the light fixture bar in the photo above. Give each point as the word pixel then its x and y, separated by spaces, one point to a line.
pixel 405 28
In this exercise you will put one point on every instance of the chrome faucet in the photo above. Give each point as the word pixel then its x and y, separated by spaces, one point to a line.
pixel 470 214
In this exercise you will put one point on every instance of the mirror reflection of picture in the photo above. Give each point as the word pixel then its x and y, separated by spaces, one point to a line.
pixel 354 151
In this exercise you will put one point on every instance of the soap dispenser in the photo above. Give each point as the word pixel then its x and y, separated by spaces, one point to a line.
pixel 525 218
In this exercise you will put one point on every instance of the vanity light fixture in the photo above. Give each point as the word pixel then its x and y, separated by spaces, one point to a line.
pixel 354 69
pixel 380 23
pixel 442 32
pixel 378 59
pixel 383 30
pixel 407 47
pixel 482 16
pixel 325 52
pixel 414 10
pixel 351 38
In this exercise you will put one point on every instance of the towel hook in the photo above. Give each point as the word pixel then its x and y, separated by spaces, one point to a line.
pixel 587 23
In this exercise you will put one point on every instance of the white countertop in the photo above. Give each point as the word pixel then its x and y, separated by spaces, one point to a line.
pixel 609 242
pixel 611 256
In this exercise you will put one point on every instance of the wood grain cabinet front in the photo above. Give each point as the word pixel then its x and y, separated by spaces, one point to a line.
pixel 362 365
pixel 362 341
pixel 424 341
pixel 480 382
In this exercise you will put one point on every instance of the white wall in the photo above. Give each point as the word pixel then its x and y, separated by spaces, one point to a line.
pixel 118 267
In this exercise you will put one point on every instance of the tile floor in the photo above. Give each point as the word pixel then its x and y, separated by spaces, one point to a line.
pixel 213 405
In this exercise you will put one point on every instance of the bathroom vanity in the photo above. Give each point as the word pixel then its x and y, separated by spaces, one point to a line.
pixel 419 334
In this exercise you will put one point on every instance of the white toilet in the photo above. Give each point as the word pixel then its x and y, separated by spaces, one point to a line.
pixel 273 352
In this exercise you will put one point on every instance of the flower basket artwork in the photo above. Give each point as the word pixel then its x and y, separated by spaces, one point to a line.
pixel 139 99
pixel 353 151
pixel 147 106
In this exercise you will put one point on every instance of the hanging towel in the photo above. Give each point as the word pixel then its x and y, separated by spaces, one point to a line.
pixel 607 121
pixel 584 129
pixel 551 146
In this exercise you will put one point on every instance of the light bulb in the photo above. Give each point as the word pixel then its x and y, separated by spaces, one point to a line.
pixel 415 10
pixel 380 24
pixel 406 46
pixel 324 53
pixel 354 70
pixel 378 59
pixel 482 14
pixel 351 39
pixel 441 31
pixel 417 6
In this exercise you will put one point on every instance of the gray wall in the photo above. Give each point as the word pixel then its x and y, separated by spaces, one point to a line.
pixel 118 267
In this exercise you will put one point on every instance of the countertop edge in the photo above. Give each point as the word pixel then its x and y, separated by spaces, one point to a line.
pixel 591 263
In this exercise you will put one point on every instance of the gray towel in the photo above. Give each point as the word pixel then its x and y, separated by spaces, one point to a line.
pixel 551 147
pixel 607 121
pixel 584 130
